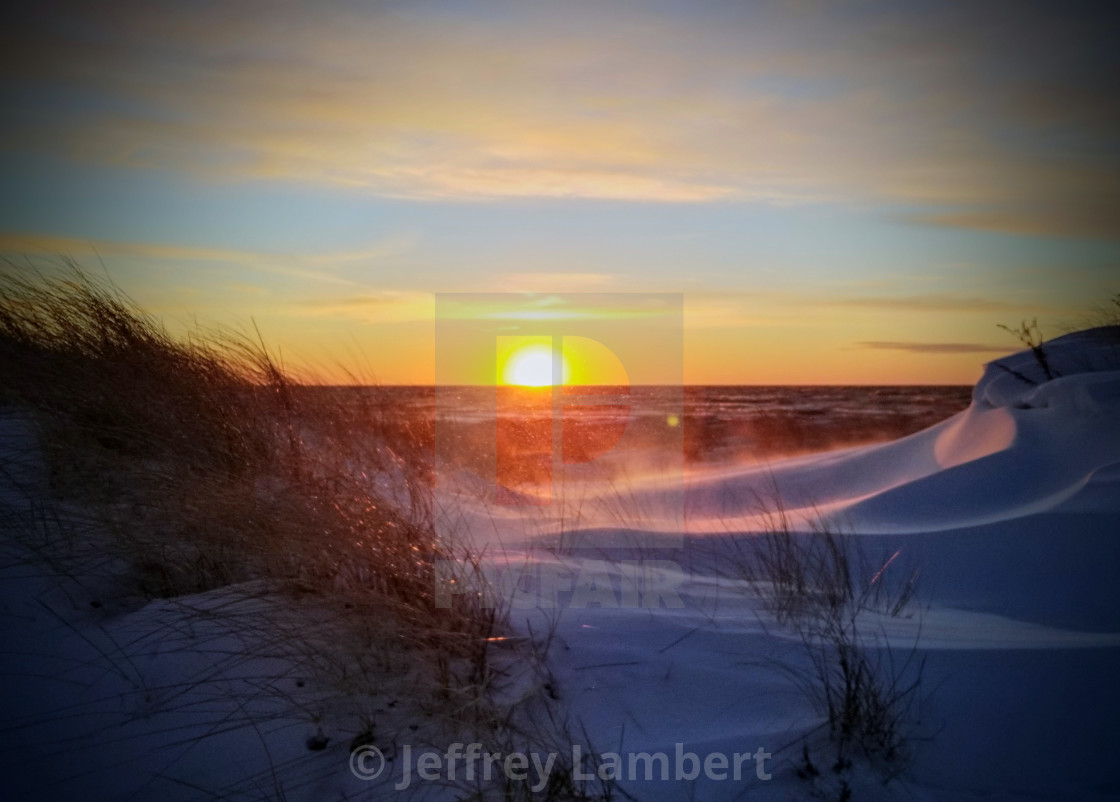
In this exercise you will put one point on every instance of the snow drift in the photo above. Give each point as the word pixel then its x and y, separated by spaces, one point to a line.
pixel 1024 446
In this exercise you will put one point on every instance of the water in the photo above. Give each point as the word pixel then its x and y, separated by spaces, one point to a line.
pixel 713 423
pixel 513 462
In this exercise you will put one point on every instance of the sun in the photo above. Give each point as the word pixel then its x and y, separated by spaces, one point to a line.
pixel 532 366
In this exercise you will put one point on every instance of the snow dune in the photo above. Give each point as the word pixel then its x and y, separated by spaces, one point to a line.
pixel 1019 449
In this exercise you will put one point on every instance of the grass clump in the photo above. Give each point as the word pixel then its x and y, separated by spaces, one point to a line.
pixel 826 589
pixel 200 465
pixel 207 451
pixel 1031 338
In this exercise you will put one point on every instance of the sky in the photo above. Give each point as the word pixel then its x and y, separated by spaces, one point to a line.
pixel 846 192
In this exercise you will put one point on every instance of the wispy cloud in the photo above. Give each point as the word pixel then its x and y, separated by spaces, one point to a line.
pixel 737 309
pixel 384 248
pixel 556 282
pixel 51 245
pixel 936 348
pixel 779 103
pixel 381 307
pixel 1091 217
pixel 933 302
pixel 538 307
pixel 316 268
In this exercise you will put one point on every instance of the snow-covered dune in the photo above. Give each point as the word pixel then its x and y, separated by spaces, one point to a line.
pixel 1026 444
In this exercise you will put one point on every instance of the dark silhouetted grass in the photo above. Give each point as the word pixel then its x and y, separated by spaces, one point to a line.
pixel 176 468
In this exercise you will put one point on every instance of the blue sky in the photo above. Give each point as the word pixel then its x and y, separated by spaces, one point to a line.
pixel 854 191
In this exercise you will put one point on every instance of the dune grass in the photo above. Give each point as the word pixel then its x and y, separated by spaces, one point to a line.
pixel 211 463
pixel 198 465
pixel 828 590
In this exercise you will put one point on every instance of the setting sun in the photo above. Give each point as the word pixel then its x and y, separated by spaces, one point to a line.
pixel 528 361
pixel 532 366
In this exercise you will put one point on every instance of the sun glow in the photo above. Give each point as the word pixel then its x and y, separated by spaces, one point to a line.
pixel 533 366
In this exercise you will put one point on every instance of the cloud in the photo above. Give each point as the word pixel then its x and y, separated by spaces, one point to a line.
pixel 384 248
pixel 761 308
pixel 1097 219
pixel 383 306
pixel 932 302
pixel 556 282
pixel 778 103
pixel 936 348
pixel 307 266
pixel 537 307
pixel 47 244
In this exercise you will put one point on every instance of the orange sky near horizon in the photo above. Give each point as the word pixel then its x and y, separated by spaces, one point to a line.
pixel 806 352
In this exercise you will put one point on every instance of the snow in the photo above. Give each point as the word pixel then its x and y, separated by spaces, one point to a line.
pixel 1010 509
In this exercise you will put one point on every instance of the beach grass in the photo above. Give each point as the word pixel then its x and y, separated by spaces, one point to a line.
pixel 179 469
